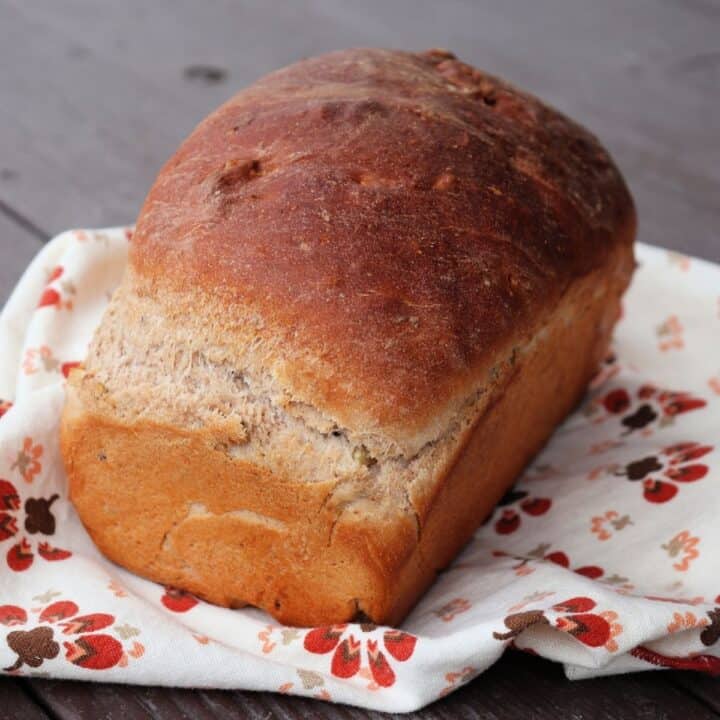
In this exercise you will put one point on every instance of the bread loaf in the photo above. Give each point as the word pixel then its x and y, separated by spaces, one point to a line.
pixel 360 297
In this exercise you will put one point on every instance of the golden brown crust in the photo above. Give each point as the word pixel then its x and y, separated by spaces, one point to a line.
pixel 392 219
pixel 169 505
pixel 359 284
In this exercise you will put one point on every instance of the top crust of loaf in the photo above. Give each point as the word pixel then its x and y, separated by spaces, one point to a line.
pixel 381 227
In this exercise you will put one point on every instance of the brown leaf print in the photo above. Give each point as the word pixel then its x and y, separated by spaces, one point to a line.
pixel 32 647
pixel 517 622
pixel 38 518
pixel 711 634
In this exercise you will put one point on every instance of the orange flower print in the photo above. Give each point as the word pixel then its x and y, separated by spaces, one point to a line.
pixel 117 589
pixel 714 383
pixel 599 524
pixel 455 679
pixel 347 658
pixel 40 359
pixel 265 637
pixel 685 545
pixel 670 334
pixel 685 621
pixel 698 600
pixel 605 446
pixel 710 634
pixel 27 462
pixel 678 260
pixel 533 597
pixel 523 566
pixel 452 609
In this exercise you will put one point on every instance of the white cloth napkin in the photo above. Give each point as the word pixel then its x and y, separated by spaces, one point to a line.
pixel 604 556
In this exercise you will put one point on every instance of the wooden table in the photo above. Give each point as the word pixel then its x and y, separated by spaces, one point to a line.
pixel 95 95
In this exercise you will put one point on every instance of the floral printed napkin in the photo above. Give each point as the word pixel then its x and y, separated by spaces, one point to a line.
pixel 603 557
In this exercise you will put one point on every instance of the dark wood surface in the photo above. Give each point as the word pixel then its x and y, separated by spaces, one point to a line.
pixel 95 95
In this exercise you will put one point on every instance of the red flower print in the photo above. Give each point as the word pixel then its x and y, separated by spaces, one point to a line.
pixel 12 615
pixel 347 656
pixel 573 617
pixel 616 401
pixel 51 296
pixel 55 274
pixel 346 661
pixel 659 473
pixel 20 556
pixel 178 601
pixel 650 404
pixel 527 562
pixel 38 520
pixel 84 647
pixel 66 367
pixel 5 405
pixel 510 519
pixel 591 629
pixel 590 571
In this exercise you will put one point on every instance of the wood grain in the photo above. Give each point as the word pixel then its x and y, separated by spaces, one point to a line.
pixel 706 689
pixel 95 95
pixel 116 98
pixel 17 248
pixel 17 704
pixel 519 686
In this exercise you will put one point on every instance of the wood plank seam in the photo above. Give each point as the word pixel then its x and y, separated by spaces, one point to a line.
pixel 23 222
pixel 30 692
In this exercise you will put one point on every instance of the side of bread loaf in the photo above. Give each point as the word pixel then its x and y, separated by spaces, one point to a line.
pixel 360 298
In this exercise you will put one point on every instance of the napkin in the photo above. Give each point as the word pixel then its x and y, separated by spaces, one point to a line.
pixel 602 557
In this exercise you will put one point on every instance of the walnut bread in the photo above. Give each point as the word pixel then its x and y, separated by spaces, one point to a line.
pixel 359 299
